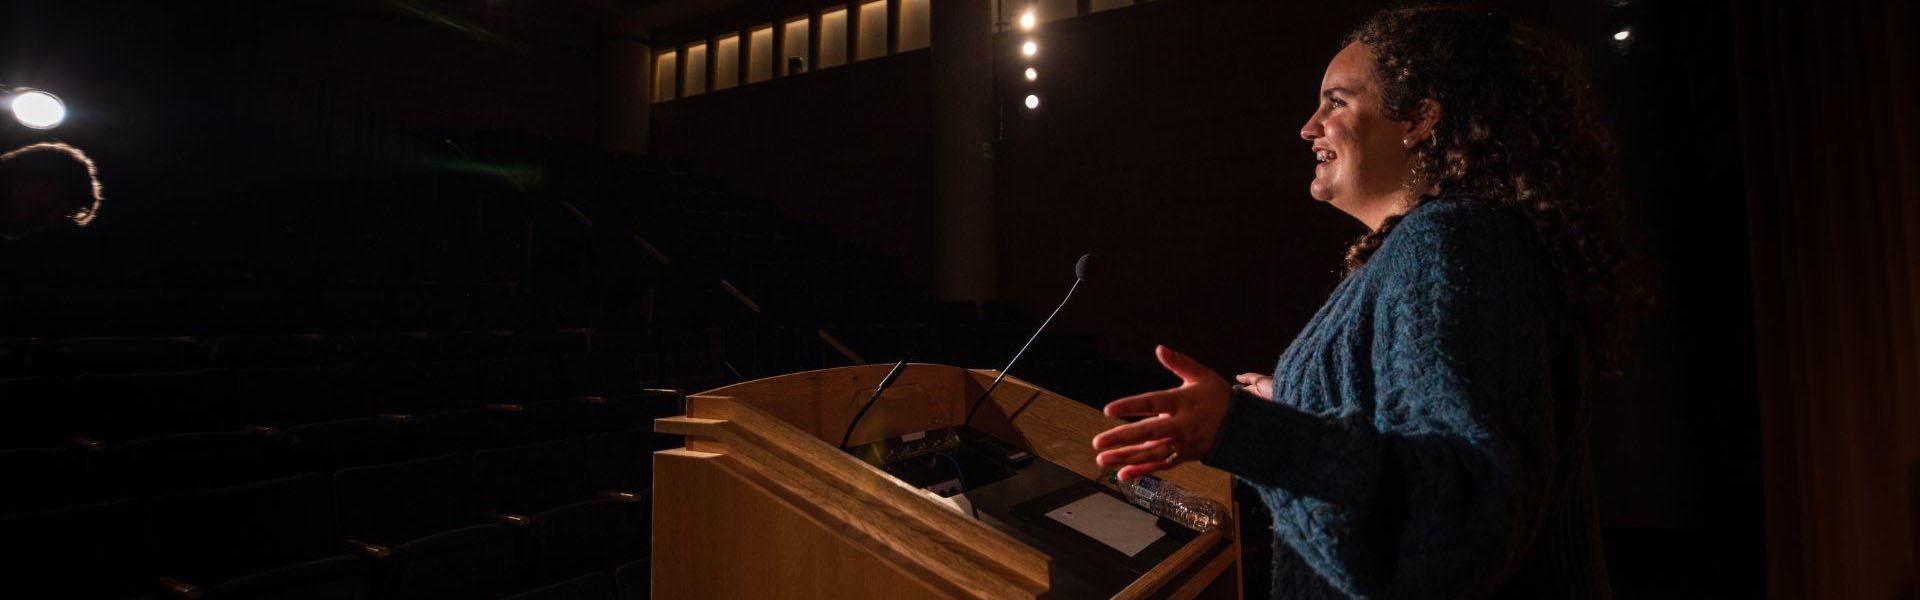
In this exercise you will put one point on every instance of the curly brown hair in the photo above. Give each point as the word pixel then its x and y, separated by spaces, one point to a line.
pixel 1518 127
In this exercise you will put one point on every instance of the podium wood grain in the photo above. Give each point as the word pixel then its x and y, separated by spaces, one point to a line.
pixel 761 504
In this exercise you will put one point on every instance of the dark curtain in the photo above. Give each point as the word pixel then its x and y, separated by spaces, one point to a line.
pixel 1829 95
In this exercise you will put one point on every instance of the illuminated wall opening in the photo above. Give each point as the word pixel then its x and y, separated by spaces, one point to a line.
pixel 665 76
pixel 916 24
pixel 833 39
pixel 1100 5
pixel 796 41
pixel 696 81
pixel 760 51
pixel 873 30
pixel 726 62
pixel 1054 10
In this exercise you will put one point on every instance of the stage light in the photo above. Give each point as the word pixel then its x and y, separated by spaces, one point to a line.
pixel 1027 20
pixel 1032 74
pixel 1029 48
pixel 1622 35
pixel 1033 101
pixel 36 109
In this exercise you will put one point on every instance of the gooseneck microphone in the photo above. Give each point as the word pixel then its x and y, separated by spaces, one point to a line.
pixel 1081 270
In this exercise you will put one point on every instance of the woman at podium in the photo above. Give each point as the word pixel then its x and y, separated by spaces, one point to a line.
pixel 1424 435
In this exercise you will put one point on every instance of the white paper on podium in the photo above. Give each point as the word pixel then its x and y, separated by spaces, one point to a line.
pixel 1119 525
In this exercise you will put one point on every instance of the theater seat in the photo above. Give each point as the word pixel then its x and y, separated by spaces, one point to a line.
pixel 423 520
pixel 274 350
pixel 123 406
pixel 20 356
pixel 43 478
pixel 471 562
pixel 197 460
pixel 591 535
pixel 529 479
pixel 555 342
pixel 391 503
pixel 521 380
pixel 474 429
pixel 328 446
pixel 634 580
pixel 335 578
pixel 98 355
pixel 269 539
pixel 40 411
pixel 621 460
pixel 422 388
pixel 592 586
pixel 91 551
pixel 587 415
pixel 609 372
pixel 286 396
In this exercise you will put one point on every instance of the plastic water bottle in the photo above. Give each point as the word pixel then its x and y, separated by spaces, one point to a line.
pixel 1170 501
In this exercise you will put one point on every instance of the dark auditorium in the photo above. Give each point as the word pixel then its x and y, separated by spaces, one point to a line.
pixel 959 299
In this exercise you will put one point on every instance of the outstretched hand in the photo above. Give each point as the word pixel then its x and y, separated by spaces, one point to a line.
pixel 1260 385
pixel 1181 425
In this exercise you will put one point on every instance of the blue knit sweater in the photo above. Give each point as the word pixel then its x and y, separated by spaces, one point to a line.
pixel 1424 437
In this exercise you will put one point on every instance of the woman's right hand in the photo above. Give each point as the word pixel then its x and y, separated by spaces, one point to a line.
pixel 1260 385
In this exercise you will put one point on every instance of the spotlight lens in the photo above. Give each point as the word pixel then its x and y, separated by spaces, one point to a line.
pixel 1622 35
pixel 1026 20
pixel 1032 74
pixel 1033 101
pixel 39 110
pixel 1029 48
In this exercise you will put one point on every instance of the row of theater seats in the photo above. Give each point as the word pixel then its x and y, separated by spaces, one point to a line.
pixel 395 465
pixel 480 525
pixel 614 434
pixel 117 407
pixel 37 355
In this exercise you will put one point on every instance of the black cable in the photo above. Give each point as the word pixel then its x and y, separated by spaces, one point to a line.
pixel 885 382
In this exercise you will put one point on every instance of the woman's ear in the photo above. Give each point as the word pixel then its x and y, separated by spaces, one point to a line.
pixel 1420 129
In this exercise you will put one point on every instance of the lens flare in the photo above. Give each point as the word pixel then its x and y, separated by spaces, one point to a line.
pixel 37 109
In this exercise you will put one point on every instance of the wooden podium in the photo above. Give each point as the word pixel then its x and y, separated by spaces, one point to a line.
pixel 760 503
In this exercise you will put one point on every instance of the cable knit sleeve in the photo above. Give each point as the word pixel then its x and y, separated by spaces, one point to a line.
pixel 1432 483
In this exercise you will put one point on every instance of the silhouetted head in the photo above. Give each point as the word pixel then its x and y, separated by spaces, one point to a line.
pixel 45 185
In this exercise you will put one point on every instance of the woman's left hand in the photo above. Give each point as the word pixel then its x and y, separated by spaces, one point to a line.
pixel 1182 426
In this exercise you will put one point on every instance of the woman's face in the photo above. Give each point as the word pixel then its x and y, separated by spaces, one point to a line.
pixel 1359 149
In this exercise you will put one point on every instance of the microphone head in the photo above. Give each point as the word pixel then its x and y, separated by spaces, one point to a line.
pixel 1083 268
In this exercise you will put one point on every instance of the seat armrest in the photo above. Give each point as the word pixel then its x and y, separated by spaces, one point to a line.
pixel 368 550
pixel 624 496
pixel 181 589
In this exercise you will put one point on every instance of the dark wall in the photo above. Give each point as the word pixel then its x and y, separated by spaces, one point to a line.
pixel 848 147
pixel 1167 143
